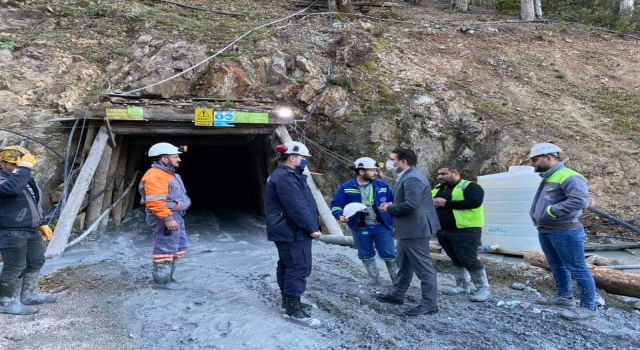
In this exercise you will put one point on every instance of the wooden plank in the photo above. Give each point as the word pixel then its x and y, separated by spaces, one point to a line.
pixel 121 169
pixel 506 252
pixel 67 217
pixel 612 246
pixel 176 129
pixel 90 134
pixel 133 161
pixel 610 280
pixel 153 113
pixel 323 208
pixel 97 190
pixel 113 178
pixel 112 139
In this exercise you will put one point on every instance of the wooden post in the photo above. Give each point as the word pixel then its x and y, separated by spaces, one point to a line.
pixel 88 140
pixel 323 208
pixel 97 191
pixel 132 166
pixel 113 180
pixel 70 211
pixel 121 168
pixel 610 280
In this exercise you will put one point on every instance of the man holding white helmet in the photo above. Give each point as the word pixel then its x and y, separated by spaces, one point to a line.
pixel 292 222
pixel 556 208
pixel 166 200
pixel 22 230
pixel 371 228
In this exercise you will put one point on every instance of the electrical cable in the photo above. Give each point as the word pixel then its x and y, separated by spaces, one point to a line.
pixel 35 140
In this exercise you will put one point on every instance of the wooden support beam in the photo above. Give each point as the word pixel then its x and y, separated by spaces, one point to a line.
pixel 98 185
pixel 113 179
pixel 181 129
pixel 112 139
pixel 133 161
pixel 67 217
pixel 121 169
pixel 323 208
pixel 89 135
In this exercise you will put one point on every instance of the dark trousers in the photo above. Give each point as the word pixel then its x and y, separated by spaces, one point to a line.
pixel 461 246
pixel 22 252
pixel 414 256
pixel 294 266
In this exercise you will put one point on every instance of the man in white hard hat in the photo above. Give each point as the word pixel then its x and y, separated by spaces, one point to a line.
pixel 556 209
pixel 292 222
pixel 372 229
pixel 22 230
pixel 166 200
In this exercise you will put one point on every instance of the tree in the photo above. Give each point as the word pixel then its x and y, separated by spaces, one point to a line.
pixel 626 8
pixel 461 5
pixel 527 10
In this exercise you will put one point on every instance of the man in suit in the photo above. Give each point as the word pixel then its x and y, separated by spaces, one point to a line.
pixel 415 220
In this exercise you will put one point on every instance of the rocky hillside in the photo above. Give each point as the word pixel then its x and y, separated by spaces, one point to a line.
pixel 473 88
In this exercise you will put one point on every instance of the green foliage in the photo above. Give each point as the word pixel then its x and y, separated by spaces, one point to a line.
pixel 622 107
pixel 507 6
pixel 600 13
pixel 7 44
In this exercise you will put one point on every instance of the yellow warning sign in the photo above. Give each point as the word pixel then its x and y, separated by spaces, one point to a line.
pixel 132 113
pixel 203 117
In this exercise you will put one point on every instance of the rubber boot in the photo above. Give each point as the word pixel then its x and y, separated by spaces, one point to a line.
pixel 162 276
pixel 173 270
pixel 296 315
pixel 304 306
pixel 372 270
pixel 392 267
pixel 10 299
pixel 463 282
pixel 29 296
pixel 481 282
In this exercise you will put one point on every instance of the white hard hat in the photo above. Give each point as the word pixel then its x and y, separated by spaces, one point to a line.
pixel 295 147
pixel 352 208
pixel 163 148
pixel 544 148
pixel 365 163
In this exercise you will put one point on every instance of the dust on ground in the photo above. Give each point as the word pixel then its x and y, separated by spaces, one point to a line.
pixel 230 300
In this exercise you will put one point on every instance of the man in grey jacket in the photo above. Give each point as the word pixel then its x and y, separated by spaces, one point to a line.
pixel 556 208
pixel 415 220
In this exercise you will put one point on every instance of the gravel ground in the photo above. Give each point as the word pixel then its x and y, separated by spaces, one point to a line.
pixel 230 300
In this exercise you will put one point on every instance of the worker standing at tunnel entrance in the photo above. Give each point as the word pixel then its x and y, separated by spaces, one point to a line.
pixel 166 200
pixel 371 228
pixel 292 222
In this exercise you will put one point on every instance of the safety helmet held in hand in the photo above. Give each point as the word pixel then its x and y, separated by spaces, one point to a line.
pixel 365 163
pixel 163 148
pixel 352 208
pixel 293 147
pixel 12 154
pixel 543 148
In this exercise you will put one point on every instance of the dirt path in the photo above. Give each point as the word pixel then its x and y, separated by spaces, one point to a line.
pixel 231 300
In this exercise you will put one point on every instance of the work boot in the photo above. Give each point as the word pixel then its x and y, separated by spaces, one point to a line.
pixel 10 299
pixel 372 270
pixel 29 296
pixel 463 282
pixel 580 313
pixel 304 306
pixel 557 300
pixel 173 269
pixel 421 310
pixel 162 276
pixel 392 267
pixel 481 282
pixel 297 315
pixel 388 298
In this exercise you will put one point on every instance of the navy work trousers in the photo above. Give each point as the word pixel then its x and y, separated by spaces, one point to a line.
pixel 294 266
pixel 22 252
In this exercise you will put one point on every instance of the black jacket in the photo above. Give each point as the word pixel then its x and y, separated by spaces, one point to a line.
pixel 20 200
pixel 291 211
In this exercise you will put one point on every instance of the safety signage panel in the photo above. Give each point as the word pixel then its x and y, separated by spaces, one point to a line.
pixel 223 119
pixel 132 113
pixel 251 117
pixel 203 117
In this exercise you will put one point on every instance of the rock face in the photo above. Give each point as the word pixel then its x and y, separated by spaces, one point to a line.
pixel 367 87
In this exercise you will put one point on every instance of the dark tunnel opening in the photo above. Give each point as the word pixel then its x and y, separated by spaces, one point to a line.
pixel 220 173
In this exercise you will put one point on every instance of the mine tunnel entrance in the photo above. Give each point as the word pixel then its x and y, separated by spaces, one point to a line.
pixel 221 173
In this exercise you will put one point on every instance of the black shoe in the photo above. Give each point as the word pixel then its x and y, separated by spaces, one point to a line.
pixel 421 310
pixel 388 298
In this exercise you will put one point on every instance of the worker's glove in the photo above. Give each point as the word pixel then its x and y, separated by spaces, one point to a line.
pixel 47 232
pixel 28 160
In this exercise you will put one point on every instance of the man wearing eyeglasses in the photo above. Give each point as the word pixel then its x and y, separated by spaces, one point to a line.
pixel 556 208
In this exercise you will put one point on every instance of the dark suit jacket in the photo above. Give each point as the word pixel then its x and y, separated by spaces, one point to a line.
pixel 413 212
